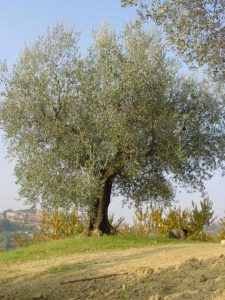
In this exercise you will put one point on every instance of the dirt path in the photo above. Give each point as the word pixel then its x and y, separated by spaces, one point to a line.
pixel 41 279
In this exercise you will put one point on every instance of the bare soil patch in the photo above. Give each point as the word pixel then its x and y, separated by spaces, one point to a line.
pixel 184 271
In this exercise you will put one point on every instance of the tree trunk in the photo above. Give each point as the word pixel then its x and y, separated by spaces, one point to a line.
pixel 92 217
pixel 102 221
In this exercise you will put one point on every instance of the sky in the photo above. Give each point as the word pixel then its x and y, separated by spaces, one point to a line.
pixel 21 21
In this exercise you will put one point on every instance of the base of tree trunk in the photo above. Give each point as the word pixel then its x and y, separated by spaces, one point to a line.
pixel 104 228
pixel 99 213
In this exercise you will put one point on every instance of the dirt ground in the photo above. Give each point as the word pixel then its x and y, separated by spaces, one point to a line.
pixel 184 271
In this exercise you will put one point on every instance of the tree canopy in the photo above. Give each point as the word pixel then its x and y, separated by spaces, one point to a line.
pixel 119 117
pixel 196 28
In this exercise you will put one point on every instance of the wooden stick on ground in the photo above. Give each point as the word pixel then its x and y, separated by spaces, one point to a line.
pixel 93 278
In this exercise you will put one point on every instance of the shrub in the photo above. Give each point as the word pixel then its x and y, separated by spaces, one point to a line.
pixel 61 224
pixel 56 225
pixel 200 218
pixel 116 224
pixel 160 221
pixel 22 239
pixel 221 234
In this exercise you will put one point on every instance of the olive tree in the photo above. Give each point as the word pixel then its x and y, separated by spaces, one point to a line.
pixel 196 28
pixel 119 118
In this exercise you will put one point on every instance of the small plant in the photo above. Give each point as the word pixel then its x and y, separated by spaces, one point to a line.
pixel 115 224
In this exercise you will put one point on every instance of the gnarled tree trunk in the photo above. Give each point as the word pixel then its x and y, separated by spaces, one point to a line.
pixel 93 212
pixel 102 221
pixel 98 216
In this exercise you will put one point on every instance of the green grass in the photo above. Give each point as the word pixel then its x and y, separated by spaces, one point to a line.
pixel 81 245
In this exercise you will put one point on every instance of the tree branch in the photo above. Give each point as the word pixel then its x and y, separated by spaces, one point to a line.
pixel 93 278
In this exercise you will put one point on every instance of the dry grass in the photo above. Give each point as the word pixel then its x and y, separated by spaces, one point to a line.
pixel 31 278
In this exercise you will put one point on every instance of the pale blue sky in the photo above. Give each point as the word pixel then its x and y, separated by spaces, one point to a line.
pixel 21 21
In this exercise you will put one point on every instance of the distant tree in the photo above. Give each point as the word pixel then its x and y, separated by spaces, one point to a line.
pixel 5 241
pixel 5 225
pixel 196 28
pixel 118 119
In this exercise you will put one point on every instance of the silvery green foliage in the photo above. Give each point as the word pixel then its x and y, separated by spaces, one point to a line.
pixel 196 28
pixel 73 121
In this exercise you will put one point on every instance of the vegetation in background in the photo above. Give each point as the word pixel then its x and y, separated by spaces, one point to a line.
pixel 23 239
pixel 5 240
pixel 160 221
pixel 7 225
pixel 58 224
pixel 221 234
pixel 200 219
pixel 8 230
pixel 155 221
pixel 61 224
pixel 196 28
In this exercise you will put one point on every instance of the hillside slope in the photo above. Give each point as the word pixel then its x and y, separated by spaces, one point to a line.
pixel 146 269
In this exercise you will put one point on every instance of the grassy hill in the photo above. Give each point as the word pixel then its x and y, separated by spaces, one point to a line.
pixel 112 267
pixel 81 245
